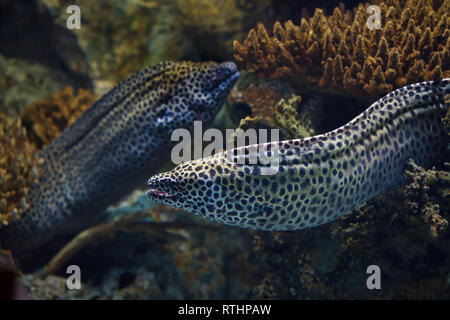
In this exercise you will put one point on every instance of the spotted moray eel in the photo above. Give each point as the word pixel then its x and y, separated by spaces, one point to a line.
pixel 319 178
pixel 118 141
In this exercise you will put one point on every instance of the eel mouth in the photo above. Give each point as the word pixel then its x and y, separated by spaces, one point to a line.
pixel 159 194
pixel 161 188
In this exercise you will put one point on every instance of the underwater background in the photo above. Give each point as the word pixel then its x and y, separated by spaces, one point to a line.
pixel 306 67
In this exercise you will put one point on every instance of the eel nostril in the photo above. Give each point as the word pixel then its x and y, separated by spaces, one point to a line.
pixel 230 66
pixel 225 69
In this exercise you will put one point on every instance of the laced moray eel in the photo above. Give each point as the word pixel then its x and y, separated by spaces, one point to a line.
pixel 319 178
pixel 108 151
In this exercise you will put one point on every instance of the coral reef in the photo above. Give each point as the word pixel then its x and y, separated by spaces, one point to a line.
pixel 339 51
pixel 446 118
pixel 47 119
pixel 19 168
pixel 54 288
pixel 418 197
pixel 268 103
pixel 404 232
pixel 170 255
pixel 330 261
pixel 291 269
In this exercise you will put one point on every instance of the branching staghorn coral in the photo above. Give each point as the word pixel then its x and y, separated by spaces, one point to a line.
pixel 340 51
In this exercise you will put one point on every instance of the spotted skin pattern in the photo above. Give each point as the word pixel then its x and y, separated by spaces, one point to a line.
pixel 320 178
pixel 118 141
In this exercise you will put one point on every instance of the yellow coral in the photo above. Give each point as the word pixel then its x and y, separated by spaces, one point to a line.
pixel 287 118
pixel 19 168
pixel 339 51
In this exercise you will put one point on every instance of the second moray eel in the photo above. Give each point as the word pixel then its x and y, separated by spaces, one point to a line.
pixel 319 178
pixel 118 141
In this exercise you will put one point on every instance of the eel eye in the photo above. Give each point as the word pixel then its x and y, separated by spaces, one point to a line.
pixel 221 73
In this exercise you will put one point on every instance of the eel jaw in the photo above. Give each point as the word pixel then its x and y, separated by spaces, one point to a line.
pixel 155 194
pixel 161 189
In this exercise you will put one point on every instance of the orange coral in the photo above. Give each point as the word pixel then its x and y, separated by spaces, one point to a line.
pixel 19 167
pixel 340 51
pixel 262 98
pixel 45 120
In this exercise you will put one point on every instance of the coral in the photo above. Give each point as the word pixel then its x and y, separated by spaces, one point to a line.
pixel 291 267
pixel 54 288
pixel 404 231
pixel 19 168
pixel 196 262
pixel 245 123
pixel 394 231
pixel 267 288
pixel 287 118
pixel 257 98
pixel 339 51
pixel 446 118
pixel 47 119
pixel 22 138
pixel 330 261
pixel 418 197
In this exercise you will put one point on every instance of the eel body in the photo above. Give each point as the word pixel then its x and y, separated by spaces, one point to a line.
pixel 108 151
pixel 319 178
